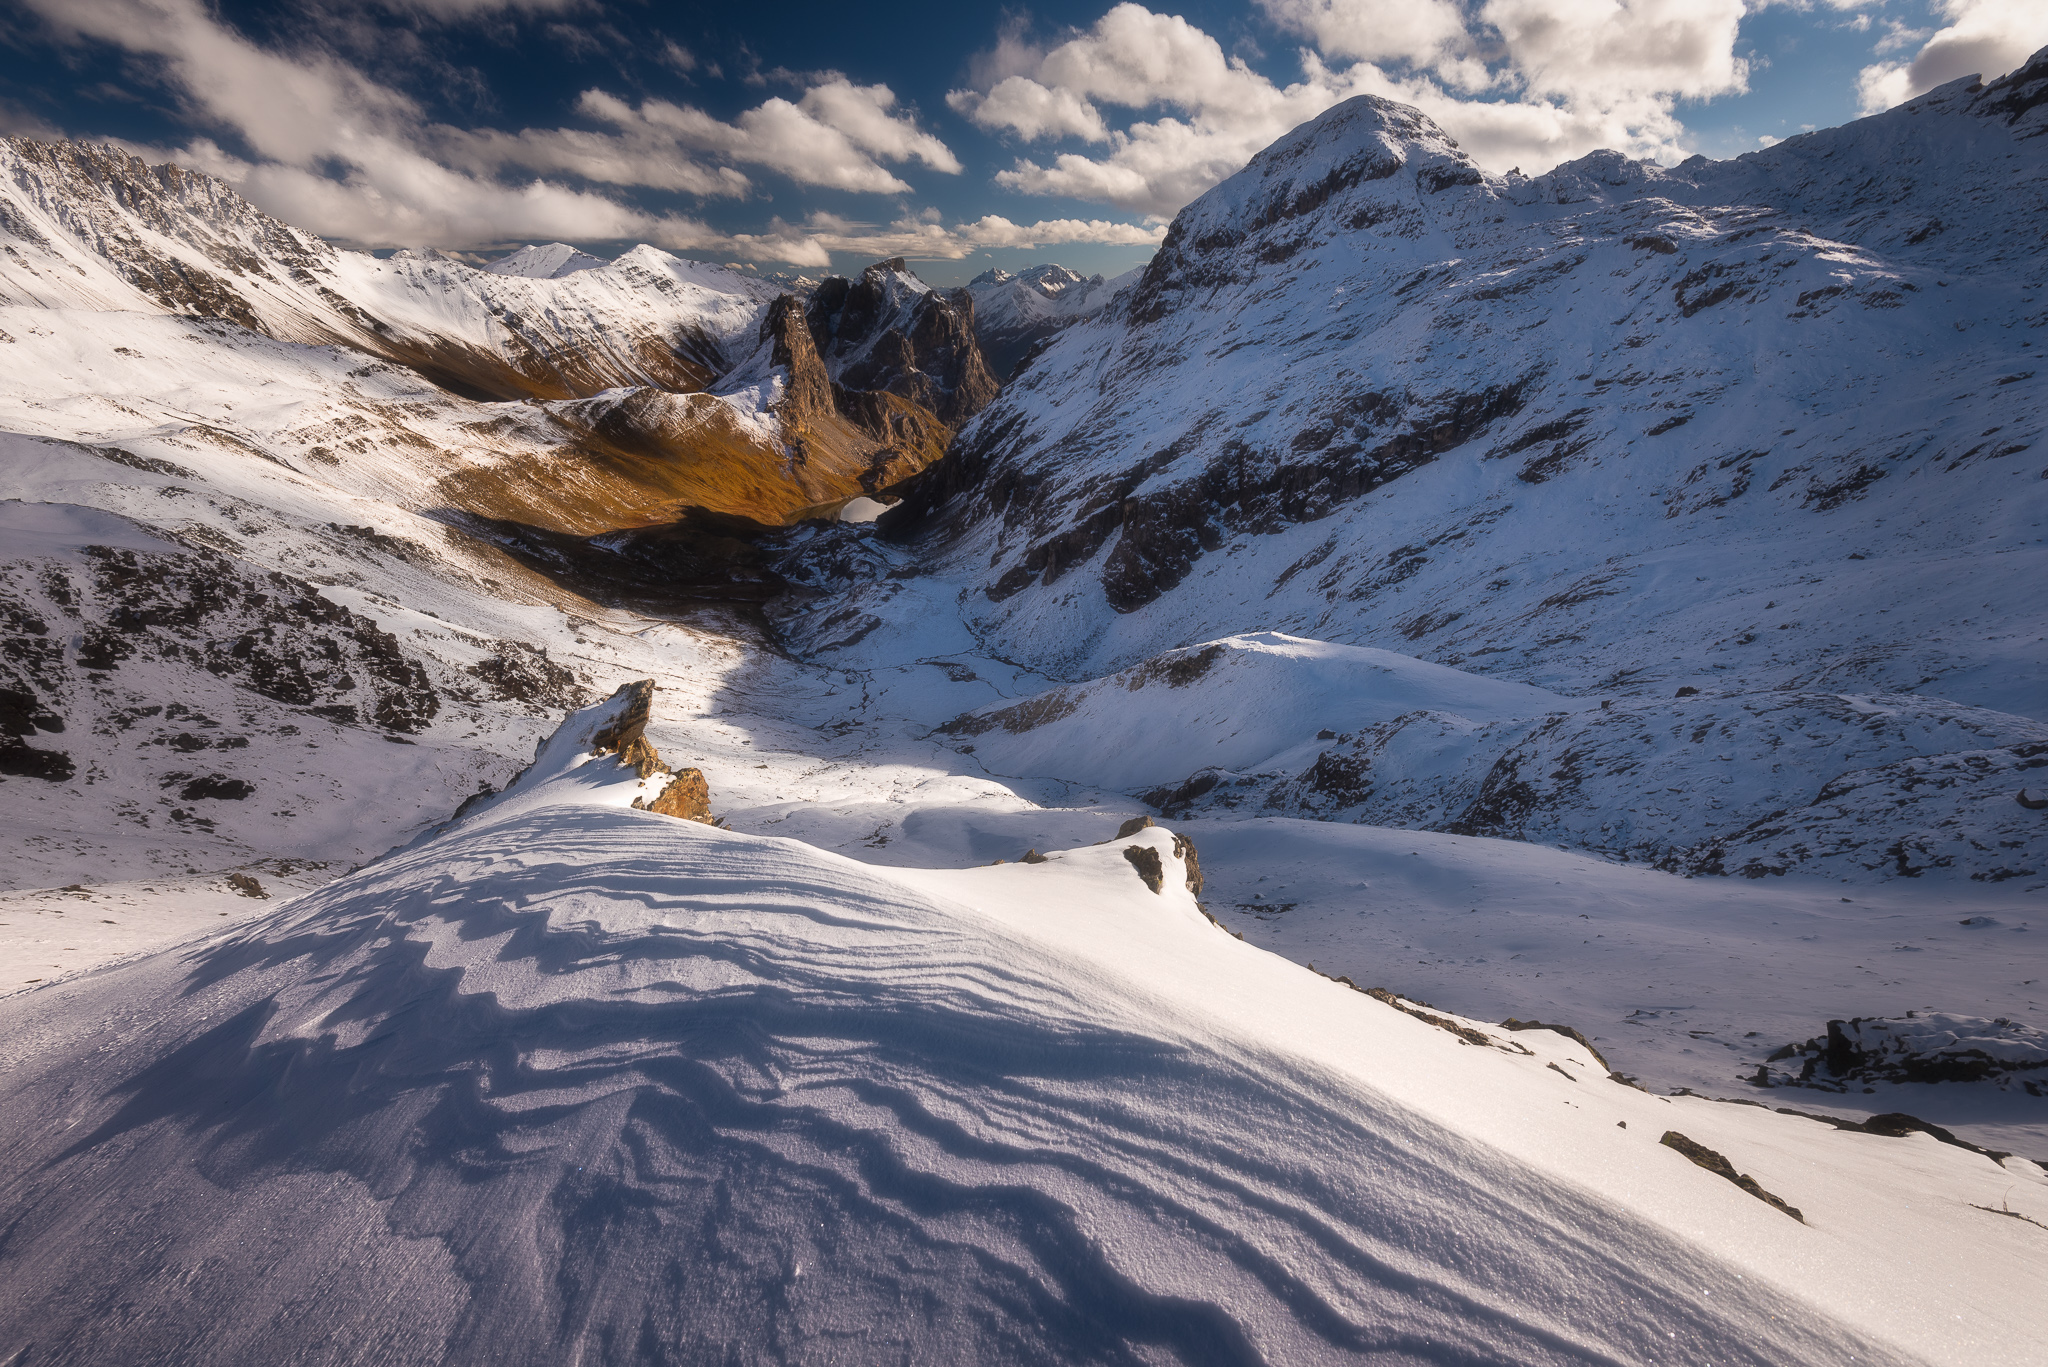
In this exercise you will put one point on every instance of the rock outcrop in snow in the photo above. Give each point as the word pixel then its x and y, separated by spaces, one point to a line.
pixel 1930 1047
pixel 889 332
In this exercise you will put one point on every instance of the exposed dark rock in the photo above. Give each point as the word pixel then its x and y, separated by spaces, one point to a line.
pixel 687 797
pixel 1174 799
pixel 524 673
pixel 1567 1031
pixel 1919 1047
pixel 1408 1007
pixel 18 760
pixel 881 333
pixel 268 632
pixel 1715 1163
pixel 634 703
pixel 1147 862
pixel 1184 850
pixel 807 399
pixel 217 787
pixel 22 713
pixel 1016 718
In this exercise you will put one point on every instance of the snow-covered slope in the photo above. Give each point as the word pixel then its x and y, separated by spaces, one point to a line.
pixel 1014 314
pixel 1761 423
pixel 563 1079
pixel 571 1080
pixel 91 227
pixel 1248 702
pixel 1746 453
pixel 551 262
pixel 1754 783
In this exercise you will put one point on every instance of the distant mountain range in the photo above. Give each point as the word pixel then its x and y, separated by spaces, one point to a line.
pixel 1015 314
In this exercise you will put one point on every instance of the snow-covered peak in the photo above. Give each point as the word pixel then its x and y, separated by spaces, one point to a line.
pixel 1015 313
pixel 550 262
pixel 1341 155
pixel 1364 393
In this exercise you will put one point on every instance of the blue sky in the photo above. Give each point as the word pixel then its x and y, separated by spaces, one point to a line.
pixel 801 135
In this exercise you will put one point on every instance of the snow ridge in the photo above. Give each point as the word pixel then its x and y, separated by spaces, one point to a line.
pixel 573 1074
pixel 550 262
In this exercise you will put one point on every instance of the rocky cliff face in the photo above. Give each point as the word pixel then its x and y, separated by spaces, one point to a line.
pixel 1773 419
pixel 889 332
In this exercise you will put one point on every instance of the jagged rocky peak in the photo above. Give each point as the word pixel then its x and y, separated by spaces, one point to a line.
pixel 891 332
pixel 550 262
pixel 807 389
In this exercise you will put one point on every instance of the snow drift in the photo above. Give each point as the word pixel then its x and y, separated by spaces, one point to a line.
pixel 571 1080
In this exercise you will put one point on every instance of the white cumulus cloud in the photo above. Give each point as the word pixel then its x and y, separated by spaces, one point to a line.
pixel 1982 38
pixel 337 152
pixel 1524 83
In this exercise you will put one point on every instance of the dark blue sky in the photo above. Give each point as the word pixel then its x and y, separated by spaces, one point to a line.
pixel 794 133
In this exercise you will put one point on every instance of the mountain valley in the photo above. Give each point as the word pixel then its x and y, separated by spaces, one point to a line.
pixel 1452 771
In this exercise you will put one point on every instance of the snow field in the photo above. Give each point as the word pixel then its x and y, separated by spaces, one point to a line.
pixel 1064 1114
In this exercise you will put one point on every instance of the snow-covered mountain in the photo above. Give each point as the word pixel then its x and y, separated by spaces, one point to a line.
pixel 363 1009
pixel 1697 421
pixel 1014 314
pixel 93 228
pixel 245 494
pixel 550 262
pixel 660 373
pixel 1747 453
